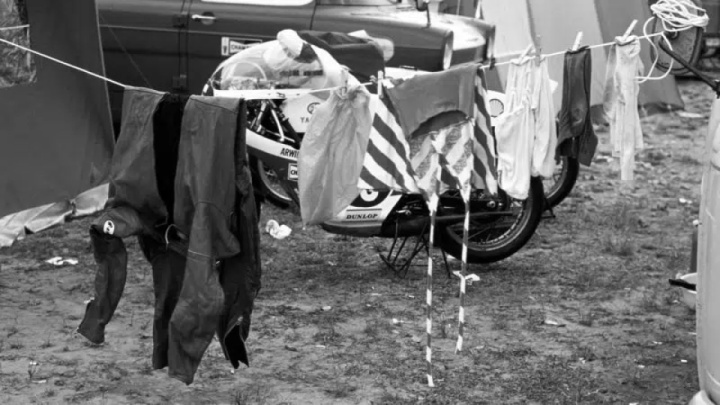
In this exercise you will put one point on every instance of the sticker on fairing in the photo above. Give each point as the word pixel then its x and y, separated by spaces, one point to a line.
pixel 230 46
pixel 292 171
pixel 362 215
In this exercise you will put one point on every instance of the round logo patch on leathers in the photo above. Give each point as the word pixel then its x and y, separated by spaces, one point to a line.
pixel 109 227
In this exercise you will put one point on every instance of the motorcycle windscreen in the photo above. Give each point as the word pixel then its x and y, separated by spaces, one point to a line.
pixel 269 65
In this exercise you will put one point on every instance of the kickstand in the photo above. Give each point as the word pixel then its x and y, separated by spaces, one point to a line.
pixel 400 266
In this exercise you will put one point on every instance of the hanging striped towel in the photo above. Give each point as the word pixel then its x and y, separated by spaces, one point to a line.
pixel 386 165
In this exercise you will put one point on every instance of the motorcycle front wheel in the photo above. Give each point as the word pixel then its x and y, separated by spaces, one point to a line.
pixel 271 186
pixel 561 184
pixel 492 240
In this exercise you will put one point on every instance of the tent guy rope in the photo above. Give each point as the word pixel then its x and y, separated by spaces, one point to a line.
pixel 63 63
pixel 18 27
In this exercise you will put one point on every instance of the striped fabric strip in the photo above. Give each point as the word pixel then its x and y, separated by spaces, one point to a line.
pixel 386 165
pixel 459 157
pixel 461 315
pixel 463 282
pixel 485 165
pixel 424 162
pixel 432 206
pixel 455 149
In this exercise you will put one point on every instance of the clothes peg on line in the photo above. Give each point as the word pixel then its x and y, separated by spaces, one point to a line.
pixel 629 30
pixel 538 49
pixel 578 38
pixel 380 78
pixel 343 90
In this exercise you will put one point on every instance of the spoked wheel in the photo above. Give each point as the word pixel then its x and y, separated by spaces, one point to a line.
pixel 496 238
pixel 561 184
pixel 274 191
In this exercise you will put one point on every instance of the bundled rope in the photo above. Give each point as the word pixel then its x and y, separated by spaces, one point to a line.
pixel 675 16
pixel 679 15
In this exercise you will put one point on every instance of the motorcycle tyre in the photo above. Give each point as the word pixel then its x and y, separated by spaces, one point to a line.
pixel 452 243
pixel 270 194
pixel 568 178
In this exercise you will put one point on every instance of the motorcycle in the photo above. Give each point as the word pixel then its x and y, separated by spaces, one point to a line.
pixel 499 225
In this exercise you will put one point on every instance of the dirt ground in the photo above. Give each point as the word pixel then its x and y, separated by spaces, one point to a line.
pixel 617 332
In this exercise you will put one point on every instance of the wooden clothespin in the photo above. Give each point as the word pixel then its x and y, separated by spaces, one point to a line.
pixel 538 48
pixel 380 78
pixel 344 88
pixel 578 38
pixel 629 30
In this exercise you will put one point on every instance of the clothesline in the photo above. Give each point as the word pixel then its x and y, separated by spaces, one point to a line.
pixel 657 34
pixel 2 40
pixel 270 93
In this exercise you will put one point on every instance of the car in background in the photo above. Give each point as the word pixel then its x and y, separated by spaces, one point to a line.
pixel 175 45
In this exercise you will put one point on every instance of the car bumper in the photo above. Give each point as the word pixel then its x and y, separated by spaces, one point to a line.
pixel 467 55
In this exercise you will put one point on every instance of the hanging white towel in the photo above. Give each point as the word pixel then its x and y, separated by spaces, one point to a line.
pixel 620 104
pixel 543 163
pixel 514 133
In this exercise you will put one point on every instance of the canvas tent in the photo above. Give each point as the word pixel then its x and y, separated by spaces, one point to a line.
pixel 56 138
pixel 554 24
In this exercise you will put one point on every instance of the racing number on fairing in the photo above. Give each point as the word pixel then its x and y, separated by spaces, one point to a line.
pixel 370 198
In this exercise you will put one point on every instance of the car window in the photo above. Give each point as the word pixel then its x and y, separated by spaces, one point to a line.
pixel 273 3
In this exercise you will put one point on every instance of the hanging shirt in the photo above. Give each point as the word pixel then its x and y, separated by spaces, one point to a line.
pixel 422 97
pixel 386 164
pixel 576 136
pixel 458 98
pixel 620 103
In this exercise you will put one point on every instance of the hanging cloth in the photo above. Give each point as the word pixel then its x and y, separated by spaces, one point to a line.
pixel 620 104
pixel 332 153
pixel 576 136
pixel 459 98
pixel 514 131
pixel 545 143
pixel 527 133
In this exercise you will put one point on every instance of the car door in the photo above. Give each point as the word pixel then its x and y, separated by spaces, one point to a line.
pixel 141 45
pixel 219 28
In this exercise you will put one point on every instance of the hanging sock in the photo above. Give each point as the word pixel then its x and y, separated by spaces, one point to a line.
pixel 576 136
pixel 620 104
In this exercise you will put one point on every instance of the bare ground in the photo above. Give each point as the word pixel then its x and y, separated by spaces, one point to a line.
pixel 599 269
